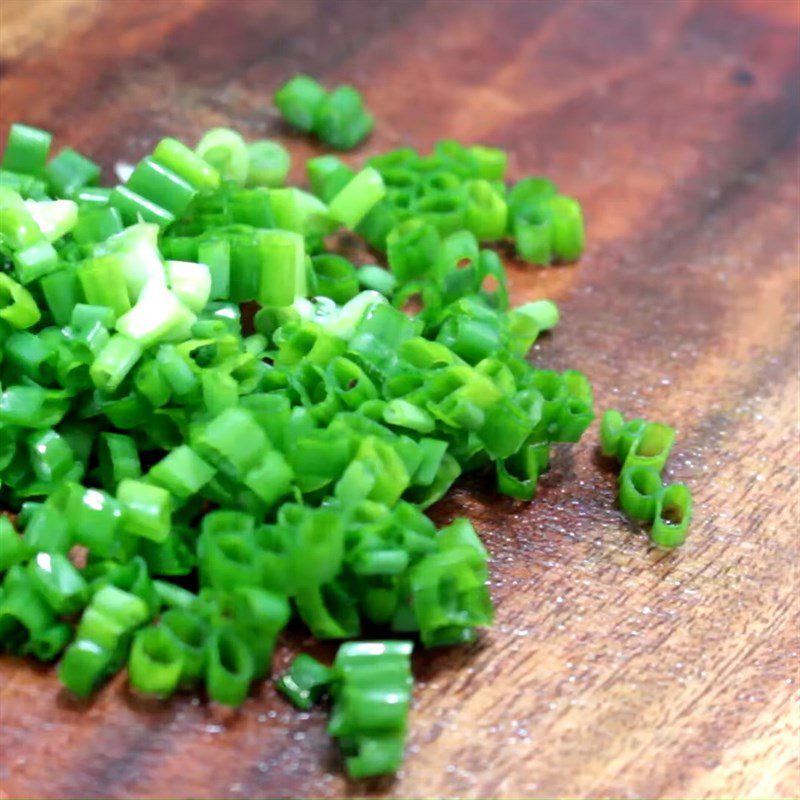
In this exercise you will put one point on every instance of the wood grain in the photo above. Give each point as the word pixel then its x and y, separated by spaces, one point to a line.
pixel 613 670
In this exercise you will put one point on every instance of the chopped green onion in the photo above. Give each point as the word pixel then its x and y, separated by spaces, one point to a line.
pixel 305 682
pixel 298 100
pixel 145 509
pixel 673 513
pixel 639 488
pixel 268 164
pixel 357 197
pixel 341 120
pixel 69 171
pixel 157 313
pixel 223 468
pixel 114 362
pixel 55 218
pixel 17 306
pixel 226 152
pixel 26 150
pixel 196 171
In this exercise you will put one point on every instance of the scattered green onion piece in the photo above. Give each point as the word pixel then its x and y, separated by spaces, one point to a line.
pixel 157 313
pixel 611 427
pixel 47 531
pixel 92 197
pixel 286 209
pixel 69 171
pixel 176 371
pixel 27 185
pixel 530 193
pixel 445 210
pixel 119 459
pixel 190 629
pixel 517 476
pixel 486 212
pixel 226 151
pixel 145 509
pixel 26 150
pixel 216 255
pixel 52 458
pixel 188 165
pixel 84 667
pixel 58 581
pixel 341 120
pixel 639 489
pixel 328 611
pixel 268 164
pixel 328 175
pixel 543 312
pixel 17 306
pixel 371 276
pixel 229 669
pixel 412 247
pixel 93 518
pixel 282 276
pixel 673 513
pixel 114 362
pixel 97 225
pixel 173 596
pixel 156 662
pixel 104 284
pixel 372 697
pixel 182 472
pixel 567 228
pixel 17 225
pixel 630 433
pixel 651 447
pixel 138 257
pixel 190 282
pixel 134 207
pixel 13 549
pixel 356 198
pixel 305 682
pixel 336 277
pixel 35 262
pixel 31 406
pixel 490 162
pixel 55 218
pixel 298 100
pixel 31 354
pixel 85 316
pixel 161 185
pixel 533 237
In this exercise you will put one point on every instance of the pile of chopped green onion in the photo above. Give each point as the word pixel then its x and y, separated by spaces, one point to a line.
pixel 182 484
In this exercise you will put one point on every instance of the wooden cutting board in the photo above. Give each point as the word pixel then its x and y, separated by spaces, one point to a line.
pixel 612 670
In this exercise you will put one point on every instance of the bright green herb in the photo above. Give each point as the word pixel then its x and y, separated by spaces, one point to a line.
pixel 281 466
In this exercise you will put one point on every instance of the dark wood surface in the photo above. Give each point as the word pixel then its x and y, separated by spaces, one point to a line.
pixel 613 670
